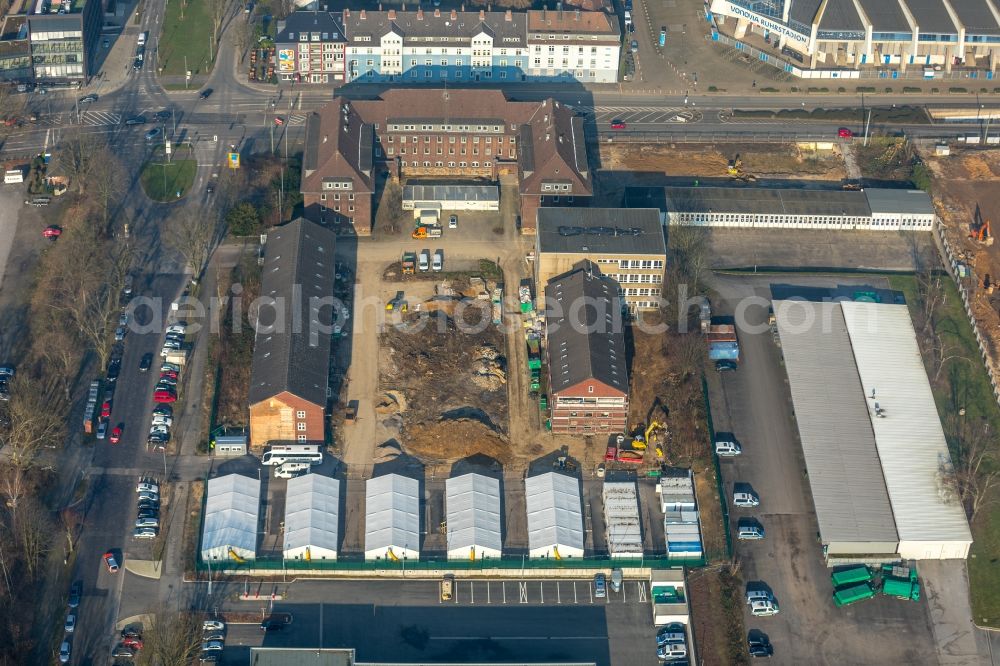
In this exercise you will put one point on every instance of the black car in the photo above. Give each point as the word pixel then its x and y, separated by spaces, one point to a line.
pixel 163 115
pixel 122 651
pixel 136 120
pixel 726 366
pixel 146 363
pixel 759 645
pixel 114 368
pixel 210 187
pixel 272 624
pixel 205 94
pixel 92 97
pixel 75 591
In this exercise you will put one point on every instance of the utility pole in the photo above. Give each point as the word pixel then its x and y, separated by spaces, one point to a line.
pixel 868 124
pixel 186 77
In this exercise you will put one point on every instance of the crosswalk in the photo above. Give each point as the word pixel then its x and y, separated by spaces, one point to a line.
pixel 96 118
pixel 297 119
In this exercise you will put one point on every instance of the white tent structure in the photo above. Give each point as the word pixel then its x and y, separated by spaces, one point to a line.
pixel 392 518
pixel 312 509
pixel 473 509
pixel 555 519
pixel 232 508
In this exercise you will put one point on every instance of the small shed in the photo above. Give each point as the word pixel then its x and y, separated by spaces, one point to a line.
pixel 312 511
pixel 392 518
pixel 232 512
pixel 473 506
pixel 555 517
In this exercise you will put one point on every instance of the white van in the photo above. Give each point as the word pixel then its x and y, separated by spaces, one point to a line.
pixel 290 470
pixel 424 260
pixel 750 533
pixel 727 448
pixel 142 39
pixel 438 263
pixel 628 18
pixel 746 499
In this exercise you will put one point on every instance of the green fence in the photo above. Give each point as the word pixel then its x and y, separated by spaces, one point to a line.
pixel 512 564
pixel 718 470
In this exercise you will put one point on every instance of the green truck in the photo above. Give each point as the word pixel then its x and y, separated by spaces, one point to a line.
pixel 851 576
pixel 900 582
pixel 845 596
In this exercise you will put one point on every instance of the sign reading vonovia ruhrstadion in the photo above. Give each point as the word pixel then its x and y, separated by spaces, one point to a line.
pixel 729 9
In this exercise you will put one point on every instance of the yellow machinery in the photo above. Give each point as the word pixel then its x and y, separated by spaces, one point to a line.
pixel 472 554
pixel 555 552
pixel 391 555
pixel 735 170
pixel 236 557
pixel 308 555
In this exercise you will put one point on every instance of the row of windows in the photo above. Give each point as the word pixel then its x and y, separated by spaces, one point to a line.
pixel 440 165
pixel 336 197
pixel 654 278
pixel 738 218
pixel 580 49
pixel 625 264
pixel 640 291
pixel 451 139
pixel 451 151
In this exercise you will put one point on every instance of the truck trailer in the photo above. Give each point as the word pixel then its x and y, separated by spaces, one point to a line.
pixel 852 594
pixel 851 576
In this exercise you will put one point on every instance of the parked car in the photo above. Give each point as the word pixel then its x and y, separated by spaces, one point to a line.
pixel 208 657
pixel 133 643
pixel 213 637
pixel 147 522
pixel 725 365
pixel 120 333
pixel 763 608
pixel 147 487
pixel 163 114
pixel 453 222
pixel 148 504
pixel 106 409
pixel 760 595
pixel 272 624
pixel 161 419
pixel 52 232
pixel 212 646
pixel 114 368
pixel 148 513
pixel 102 429
pixel 147 496
pixel 146 363
pixel 152 134
pixel 69 626
pixel 75 592
pixel 106 43
pixel 122 651
pixel 168 373
pixel 747 531
pixel 634 46
pixel 169 366
pixel 116 433
pixel 671 633
pixel 746 499
pixel 600 586
pixel 617 124
pixel 164 396
pixel 845 133
pixel 92 97
pixel 165 410
pixel 111 562
pixel 726 446
pixel 437 262
pixel 64 651
pixel 136 120
pixel 759 645
pixel 213 625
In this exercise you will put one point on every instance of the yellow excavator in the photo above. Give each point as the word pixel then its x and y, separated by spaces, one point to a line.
pixel 735 170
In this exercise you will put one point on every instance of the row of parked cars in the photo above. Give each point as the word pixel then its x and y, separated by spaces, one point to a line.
pixel 213 640
pixel 147 520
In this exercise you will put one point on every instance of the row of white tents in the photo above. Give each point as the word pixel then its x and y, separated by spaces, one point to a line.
pixel 473 505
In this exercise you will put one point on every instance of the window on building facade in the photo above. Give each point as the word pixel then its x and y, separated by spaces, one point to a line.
pixel 300 426
pixel 301 438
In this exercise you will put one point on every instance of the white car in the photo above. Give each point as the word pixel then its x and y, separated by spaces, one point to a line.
pixel 163 420
pixel 453 222
pixel 763 608
pixel 159 430
pixel 746 499
pixel 146 533
pixel 211 645
pixel 146 487
pixel 213 625
pixel 437 263
pixel 147 522
pixel 179 329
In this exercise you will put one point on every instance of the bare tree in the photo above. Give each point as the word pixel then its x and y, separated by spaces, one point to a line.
pixel 194 237
pixel 14 485
pixel 244 36
pixel 217 8
pixel 105 183
pixel 78 156
pixel 688 247
pixel 930 295
pixel 32 529
pixel 171 637
pixel 34 419
pixel 974 477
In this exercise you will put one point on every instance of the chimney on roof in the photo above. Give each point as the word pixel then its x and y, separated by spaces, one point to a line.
pixel 482 14
pixel 508 16
pixel 577 12
pixel 559 9
pixel 362 15
pixel 437 13
pixel 454 15
pixel 325 137
pixel 420 14
pixel 347 15
pixel 392 14
pixel 462 7
pixel 380 6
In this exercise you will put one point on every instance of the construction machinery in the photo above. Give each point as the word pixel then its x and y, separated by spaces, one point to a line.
pixel 235 556
pixel 980 229
pixel 422 232
pixel 397 303
pixel 409 262
pixel 735 170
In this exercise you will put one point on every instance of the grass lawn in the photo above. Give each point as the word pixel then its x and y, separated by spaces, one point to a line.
pixel 187 36
pixel 966 384
pixel 162 181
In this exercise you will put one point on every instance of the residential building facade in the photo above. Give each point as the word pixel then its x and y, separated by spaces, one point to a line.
pixel 457 134
pixel 291 357
pixel 63 43
pixel 485 46
pixel 627 244
pixel 309 48
pixel 585 348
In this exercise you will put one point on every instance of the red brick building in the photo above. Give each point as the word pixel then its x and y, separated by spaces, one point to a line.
pixel 291 354
pixel 460 134
pixel 585 348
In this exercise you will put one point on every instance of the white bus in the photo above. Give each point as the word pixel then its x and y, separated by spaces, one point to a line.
pixel 282 453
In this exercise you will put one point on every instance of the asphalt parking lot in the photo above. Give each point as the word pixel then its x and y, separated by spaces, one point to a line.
pixel 406 622
pixel 755 404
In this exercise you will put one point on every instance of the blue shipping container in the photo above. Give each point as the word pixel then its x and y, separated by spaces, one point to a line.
pixel 728 351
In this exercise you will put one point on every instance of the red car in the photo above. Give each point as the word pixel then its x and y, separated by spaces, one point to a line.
pixel 164 396
pixel 617 124
pixel 132 642
pixel 52 232
pixel 111 562
pixel 845 133
pixel 278 120
pixel 169 373
pixel 106 409
pixel 116 434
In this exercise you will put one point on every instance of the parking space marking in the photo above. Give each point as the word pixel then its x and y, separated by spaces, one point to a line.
pixel 472 592
pixel 574 593
pixel 541 590
pixel 642 592
pixel 503 585
pixel 523 585
pixel 558 593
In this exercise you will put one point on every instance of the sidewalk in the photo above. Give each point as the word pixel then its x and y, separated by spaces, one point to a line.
pixel 115 62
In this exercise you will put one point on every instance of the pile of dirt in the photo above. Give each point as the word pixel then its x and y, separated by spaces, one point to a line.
pixel 711 161
pixel 978 168
pixel 452 439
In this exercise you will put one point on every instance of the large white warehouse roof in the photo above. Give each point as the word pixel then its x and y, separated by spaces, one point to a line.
pixel 473 507
pixel 232 507
pixel 312 509
pixel 555 519
pixel 852 504
pixel 911 445
pixel 392 517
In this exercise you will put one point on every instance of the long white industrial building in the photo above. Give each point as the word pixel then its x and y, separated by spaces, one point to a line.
pixel 392 518
pixel 870 432
pixel 472 502
pixel 232 509
pixel 555 517
pixel 312 511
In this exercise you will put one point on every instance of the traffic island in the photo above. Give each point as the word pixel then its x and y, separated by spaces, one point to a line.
pixel 168 178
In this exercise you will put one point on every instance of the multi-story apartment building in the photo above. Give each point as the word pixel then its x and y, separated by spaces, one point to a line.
pixel 63 36
pixel 627 244
pixel 461 134
pixel 585 348
pixel 309 48
pixel 484 46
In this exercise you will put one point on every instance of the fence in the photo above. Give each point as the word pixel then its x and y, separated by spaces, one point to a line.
pixel 952 264
pixel 718 470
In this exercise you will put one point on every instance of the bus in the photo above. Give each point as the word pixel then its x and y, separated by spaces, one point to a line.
pixel 282 453
pixel 851 576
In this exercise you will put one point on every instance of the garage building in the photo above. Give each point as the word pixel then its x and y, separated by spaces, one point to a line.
pixel 456 196
pixel 473 506
pixel 232 510
pixel 312 511
pixel 555 519
pixel 870 432
pixel 392 518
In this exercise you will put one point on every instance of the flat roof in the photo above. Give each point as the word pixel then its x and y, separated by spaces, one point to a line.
pixel 976 16
pixel 931 16
pixel 915 202
pixel 759 200
pixel 849 493
pixel 885 16
pixel 454 192
pixel 601 230
pixel 909 437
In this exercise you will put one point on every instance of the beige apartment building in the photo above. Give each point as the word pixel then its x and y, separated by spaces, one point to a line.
pixel 627 244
